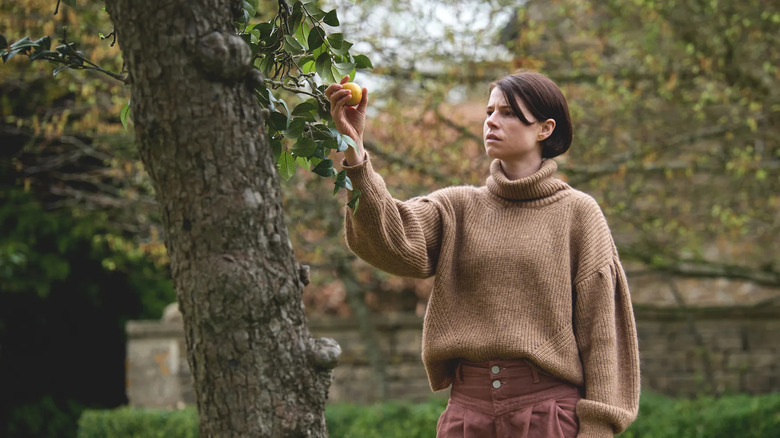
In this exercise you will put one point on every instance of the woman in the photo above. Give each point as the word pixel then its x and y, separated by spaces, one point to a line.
pixel 530 318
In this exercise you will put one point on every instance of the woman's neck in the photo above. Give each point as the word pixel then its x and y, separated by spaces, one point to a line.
pixel 515 170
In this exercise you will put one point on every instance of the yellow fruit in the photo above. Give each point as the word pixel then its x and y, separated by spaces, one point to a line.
pixel 357 93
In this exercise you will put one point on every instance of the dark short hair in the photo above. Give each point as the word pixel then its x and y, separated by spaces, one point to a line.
pixel 545 101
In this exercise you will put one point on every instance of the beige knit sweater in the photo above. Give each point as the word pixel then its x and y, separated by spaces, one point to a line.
pixel 524 269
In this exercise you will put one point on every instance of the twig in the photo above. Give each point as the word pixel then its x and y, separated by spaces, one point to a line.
pixel 112 34
pixel 277 84
pixel 90 65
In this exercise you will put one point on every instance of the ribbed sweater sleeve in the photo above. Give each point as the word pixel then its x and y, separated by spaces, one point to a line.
pixel 605 331
pixel 399 237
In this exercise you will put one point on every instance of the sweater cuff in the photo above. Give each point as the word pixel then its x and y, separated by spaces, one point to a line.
pixel 358 166
pixel 364 178
pixel 592 428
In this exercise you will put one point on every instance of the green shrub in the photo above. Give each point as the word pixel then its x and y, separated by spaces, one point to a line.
pixel 68 284
pixel 42 418
pixel 741 416
pixel 384 420
pixel 139 423
pixel 731 416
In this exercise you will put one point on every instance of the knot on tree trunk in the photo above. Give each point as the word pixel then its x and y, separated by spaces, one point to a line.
pixel 324 353
pixel 254 78
pixel 304 273
pixel 224 56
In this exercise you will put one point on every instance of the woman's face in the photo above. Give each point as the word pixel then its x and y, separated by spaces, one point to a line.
pixel 506 137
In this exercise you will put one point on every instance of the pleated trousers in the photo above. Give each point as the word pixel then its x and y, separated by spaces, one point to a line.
pixel 508 399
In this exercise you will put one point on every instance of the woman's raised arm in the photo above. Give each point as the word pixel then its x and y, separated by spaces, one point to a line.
pixel 349 120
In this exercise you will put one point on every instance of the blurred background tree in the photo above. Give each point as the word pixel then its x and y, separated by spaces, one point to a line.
pixel 676 107
pixel 79 249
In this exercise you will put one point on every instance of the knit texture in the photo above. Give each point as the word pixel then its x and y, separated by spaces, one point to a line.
pixel 523 269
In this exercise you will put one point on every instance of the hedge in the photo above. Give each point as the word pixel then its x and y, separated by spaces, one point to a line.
pixel 732 416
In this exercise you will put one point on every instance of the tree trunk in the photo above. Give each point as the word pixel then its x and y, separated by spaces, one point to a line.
pixel 257 372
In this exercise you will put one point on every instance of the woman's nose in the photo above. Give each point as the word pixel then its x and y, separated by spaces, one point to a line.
pixel 490 121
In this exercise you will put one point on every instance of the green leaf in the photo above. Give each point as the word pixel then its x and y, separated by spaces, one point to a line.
pixel 305 109
pixel 244 20
pixel 276 148
pixel 349 141
pixel 331 19
pixel 275 99
pixel 341 144
pixel 325 168
pixel 10 54
pixel 266 65
pixel 298 7
pixel 342 180
pixel 22 44
pixel 286 165
pixel 320 151
pixel 60 69
pixel 250 39
pixel 43 43
pixel 295 22
pixel 251 7
pixel 292 45
pixel 295 128
pixel 345 68
pixel 44 54
pixel 362 61
pixel 271 99
pixel 265 30
pixel 64 49
pixel 316 38
pixel 304 147
pixel 262 96
pixel 271 42
pixel 345 141
pixel 315 12
pixel 124 114
pixel 302 33
pixel 353 203
pixel 324 68
pixel 338 44
pixel 307 64
pixel 3 42
pixel 335 74
pixel 323 133
pixel 277 121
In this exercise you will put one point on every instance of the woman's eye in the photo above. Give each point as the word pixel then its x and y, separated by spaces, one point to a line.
pixel 489 112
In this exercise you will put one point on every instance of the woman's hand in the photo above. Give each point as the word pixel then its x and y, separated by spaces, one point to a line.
pixel 350 121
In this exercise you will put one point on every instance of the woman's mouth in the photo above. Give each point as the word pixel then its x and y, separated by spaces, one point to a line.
pixel 492 136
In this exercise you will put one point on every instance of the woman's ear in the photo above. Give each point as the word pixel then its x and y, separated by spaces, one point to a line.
pixel 546 129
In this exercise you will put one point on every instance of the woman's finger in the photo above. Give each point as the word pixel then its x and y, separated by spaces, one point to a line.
pixel 332 88
pixel 344 80
pixel 338 99
pixel 363 100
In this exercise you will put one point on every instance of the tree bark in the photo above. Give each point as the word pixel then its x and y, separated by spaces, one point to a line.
pixel 257 371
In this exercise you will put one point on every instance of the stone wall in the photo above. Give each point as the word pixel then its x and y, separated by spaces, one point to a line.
pixel 684 352
pixel 710 350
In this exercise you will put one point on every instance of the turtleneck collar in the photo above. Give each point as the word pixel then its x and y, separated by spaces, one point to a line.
pixel 539 185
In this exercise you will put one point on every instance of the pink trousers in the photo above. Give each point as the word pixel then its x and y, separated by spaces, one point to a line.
pixel 508 399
